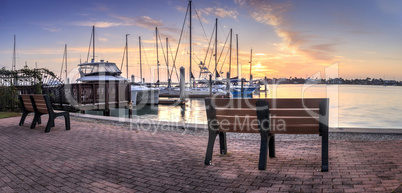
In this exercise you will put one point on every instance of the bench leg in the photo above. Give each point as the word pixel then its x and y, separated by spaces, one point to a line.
pixel 210 147
pixel 35 120
pixel 271 145
pixel 67 119
pixel 50 124
pixel 222 143
pixel 324 152
pixel 24 115
pixel 262 163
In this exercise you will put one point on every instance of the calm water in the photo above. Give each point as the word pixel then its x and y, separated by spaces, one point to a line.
pixel 350 105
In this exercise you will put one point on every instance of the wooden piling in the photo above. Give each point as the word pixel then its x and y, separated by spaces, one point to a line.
pixel 210 85
pixel 228 81
pixel 182 84
pixel 265 84
pixel 242 88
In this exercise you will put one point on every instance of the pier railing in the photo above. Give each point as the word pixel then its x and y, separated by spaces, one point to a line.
pixel 98 96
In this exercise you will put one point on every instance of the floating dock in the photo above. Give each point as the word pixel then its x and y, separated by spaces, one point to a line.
pixel 172 102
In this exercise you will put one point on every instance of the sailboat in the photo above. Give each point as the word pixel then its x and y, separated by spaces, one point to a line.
pixel 197 88
pixel 140 94
pixel 236 90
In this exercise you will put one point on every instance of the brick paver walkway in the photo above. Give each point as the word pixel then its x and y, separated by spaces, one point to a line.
pixel 103 158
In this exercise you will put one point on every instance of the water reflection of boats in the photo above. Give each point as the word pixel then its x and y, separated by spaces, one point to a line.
pixel 146 110
pixel 247 90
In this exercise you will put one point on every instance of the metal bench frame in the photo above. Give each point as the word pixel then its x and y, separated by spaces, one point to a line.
pixel 262 108
pixel 26 106
pixel 42 105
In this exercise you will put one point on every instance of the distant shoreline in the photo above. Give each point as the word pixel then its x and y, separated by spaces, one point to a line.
pixel 335 81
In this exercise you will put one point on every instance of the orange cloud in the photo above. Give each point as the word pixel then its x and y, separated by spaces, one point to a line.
pixel 293 42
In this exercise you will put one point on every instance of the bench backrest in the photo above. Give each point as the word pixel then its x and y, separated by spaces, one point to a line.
pixel 286 115
pixel 40 103
pixel 26 102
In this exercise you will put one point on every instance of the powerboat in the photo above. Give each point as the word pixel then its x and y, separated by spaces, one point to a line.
pixel 107 71
pixel 144 95
pixel 99 71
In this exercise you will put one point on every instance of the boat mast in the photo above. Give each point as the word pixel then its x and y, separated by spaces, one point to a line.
pixel 237 57
pixel 93 43
pixel 157 52
pixel 66 63
pixel 167 61
pixel 127 55
pixel 13 65
pixel 190 45
pixel 230 53
pixel 140 59
pixel 251 63
pixel 216 48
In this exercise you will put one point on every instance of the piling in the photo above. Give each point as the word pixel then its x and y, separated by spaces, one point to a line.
pixel 106 112
pixel 130 102
pixel 242 88
pixel 182 83
pixel 210 85
pixel 130 111
pixel 228 83
pixel 265 84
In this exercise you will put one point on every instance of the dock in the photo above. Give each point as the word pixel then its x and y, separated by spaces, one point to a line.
pixel 172 102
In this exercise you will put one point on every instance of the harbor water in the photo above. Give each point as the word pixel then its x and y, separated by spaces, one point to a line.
pixel 351 106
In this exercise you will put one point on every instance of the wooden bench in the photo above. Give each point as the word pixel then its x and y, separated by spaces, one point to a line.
pixel 26 106
pixel 267 117
pixel 42 105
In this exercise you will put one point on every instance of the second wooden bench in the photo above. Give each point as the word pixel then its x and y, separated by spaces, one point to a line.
pixel 267 117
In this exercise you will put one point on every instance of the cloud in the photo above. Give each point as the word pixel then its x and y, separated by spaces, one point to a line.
pixel 216 11
pixel 272 13
pixel 147 22
pixel 52 29
pixel 140 21
pixel 100 24
pixel 219 12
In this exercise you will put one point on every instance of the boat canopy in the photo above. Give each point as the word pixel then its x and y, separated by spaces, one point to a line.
pixel 97 68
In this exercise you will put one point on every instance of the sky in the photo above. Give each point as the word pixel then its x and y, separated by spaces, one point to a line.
pixel 287 38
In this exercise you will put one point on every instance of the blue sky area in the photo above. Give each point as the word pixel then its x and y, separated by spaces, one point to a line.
pixel 288 38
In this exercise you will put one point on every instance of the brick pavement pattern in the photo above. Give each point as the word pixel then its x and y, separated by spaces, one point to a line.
pixel 94 157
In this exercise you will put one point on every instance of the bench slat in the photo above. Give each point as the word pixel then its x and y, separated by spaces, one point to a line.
pixel 287 120
pixel 275 129
pixel 40 103
pixel 274 103
pixel 277 112
pixel 27 103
